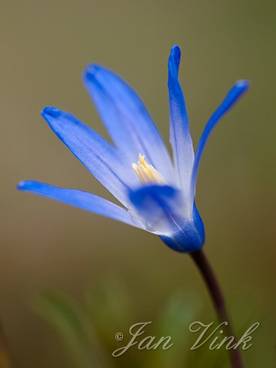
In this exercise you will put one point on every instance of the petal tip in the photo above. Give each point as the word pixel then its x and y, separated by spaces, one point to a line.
pixel 22 185
pixel 243 84
pixel 50 112
pixel 90 72
pixel 176 51
pixel 174 60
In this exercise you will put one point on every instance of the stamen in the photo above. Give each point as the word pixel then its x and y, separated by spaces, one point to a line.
pixel 146 172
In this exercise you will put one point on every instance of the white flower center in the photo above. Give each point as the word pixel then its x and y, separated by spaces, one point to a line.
pixel 146 172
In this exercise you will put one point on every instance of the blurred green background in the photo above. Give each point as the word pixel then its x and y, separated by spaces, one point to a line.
pixel 45 245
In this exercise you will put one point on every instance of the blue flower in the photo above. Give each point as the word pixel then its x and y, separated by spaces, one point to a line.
pixel 157 194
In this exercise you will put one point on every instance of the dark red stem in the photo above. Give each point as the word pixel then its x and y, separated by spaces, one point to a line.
pixel 218 301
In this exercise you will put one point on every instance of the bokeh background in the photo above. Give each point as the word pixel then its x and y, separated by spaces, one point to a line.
pixel 45 245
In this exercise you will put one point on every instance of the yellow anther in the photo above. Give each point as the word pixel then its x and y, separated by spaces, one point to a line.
pixel 146 172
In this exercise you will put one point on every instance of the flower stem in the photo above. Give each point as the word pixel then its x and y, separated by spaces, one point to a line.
pixel 218 301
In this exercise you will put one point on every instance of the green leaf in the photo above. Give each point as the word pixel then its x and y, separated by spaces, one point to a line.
pixel 71 324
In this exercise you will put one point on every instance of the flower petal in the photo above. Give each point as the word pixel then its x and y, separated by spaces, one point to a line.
pixel 231 98
pixel 126 118
pixel 180 137
pixel 97 155
pixel 80 199
pixel 161 207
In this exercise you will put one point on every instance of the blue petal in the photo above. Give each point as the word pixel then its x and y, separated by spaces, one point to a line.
pixel 180 137
pixel 126 118
pixel 231 98
pixel 162 209
pixel 97 155
pixel 77 198
pixel 191 237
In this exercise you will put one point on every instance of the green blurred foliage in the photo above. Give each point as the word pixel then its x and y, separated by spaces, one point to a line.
pixel 88 330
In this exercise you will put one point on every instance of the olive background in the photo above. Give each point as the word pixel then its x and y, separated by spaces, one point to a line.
pixel 45 46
